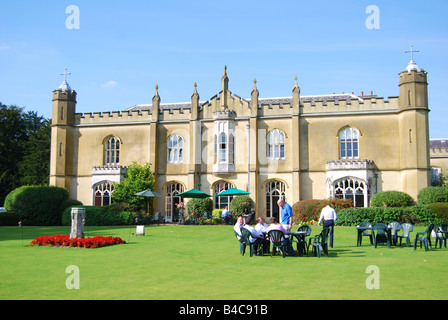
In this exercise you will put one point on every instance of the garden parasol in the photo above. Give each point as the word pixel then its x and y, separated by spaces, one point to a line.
pixel 148 193
pixel 194 193
pixel 232 192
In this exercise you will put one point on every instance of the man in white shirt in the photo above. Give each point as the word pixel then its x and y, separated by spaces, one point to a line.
pixel 261 225
pixel 329 216
pixel 237 229
pixel 225 215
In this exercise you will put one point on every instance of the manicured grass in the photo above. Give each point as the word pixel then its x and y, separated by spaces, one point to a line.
pixel 203 262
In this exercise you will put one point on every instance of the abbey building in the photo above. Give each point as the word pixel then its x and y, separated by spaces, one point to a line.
pixel 296 147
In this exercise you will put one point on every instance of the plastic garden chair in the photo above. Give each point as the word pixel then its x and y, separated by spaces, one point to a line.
pixel 407 228
pixel 277 239
pixel 246 242
pixel 424 237
pixel 381 234
pixel 365 233
pixel 319 242
pixel 442 236
pixel 241 241
pixel 394 226
pixel 307 229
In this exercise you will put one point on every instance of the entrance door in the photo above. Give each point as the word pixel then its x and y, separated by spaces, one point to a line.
pixel 275 190
pixel 171 200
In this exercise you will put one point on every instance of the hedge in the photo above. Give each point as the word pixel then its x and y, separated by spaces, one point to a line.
pixel 430 195
pixel 101 216
pixel 38 205
pixel 9 219
pixel 418 214
pixel 309 210
pixel 440 209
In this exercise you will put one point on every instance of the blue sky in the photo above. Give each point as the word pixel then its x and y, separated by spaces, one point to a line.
pixel 122 49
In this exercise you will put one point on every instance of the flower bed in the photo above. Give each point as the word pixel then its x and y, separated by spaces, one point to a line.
pixel 65 241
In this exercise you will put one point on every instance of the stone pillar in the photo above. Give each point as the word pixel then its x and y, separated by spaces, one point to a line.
pixel 78 215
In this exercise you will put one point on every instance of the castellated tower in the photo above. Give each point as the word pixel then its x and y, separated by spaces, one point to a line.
pixel 64 105
pixel 414 142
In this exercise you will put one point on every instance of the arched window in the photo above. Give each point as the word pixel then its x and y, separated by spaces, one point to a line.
pixel 276 145
pixel 275 190
pixel 221 202
pixel 171 199
pixel 349 143
pixel 112 151
pixel 103 194
pixel 352 189
pixel 175 149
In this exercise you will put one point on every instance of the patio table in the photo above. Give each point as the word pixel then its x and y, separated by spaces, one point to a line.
pixel 300 236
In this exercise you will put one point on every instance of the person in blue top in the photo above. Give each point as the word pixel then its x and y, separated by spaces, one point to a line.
pixel 285 214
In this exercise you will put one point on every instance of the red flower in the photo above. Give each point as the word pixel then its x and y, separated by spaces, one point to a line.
pixel 65 241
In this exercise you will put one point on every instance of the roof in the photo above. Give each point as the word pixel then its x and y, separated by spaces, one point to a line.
pixel 262 101
pixel 438 143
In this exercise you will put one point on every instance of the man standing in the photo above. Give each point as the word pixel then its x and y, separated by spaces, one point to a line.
pixel 285 214
pixel 329 216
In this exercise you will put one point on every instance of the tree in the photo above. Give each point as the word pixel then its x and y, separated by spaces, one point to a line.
pixel 24 149
pixel 138 178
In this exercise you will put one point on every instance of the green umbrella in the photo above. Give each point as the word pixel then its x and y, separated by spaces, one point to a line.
pixel 148 194
pixel 232 192
pixel 194 193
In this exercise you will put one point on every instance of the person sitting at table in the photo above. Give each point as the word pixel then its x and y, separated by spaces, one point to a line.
pixel 256 237
pixel 237 227
pixel 261 226
pixel 286 241
pixel 225 215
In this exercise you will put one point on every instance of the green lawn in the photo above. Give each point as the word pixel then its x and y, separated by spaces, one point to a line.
pixel 203 262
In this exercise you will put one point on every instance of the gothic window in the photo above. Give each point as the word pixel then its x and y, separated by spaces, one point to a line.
pixel 275 190
pixel 112 151
pixel 175 149
pixel 349 143
pixel 103 194
pixel 171 199
pixel 352 189
pixel 276 145
pixel 221 202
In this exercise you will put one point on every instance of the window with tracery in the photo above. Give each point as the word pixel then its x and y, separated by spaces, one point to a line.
pixel 349 143
pixel 112 151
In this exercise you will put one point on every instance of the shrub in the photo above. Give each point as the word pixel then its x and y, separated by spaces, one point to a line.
pixel 309 210
pixel 391 199
pixel 102 216
pixel 240 203
pixel 216 213
pixel 305 210
pixel 200 206
pixel 37 205
pixel 432 195
pixel 413 214
pixel 9 219
pixel 440 209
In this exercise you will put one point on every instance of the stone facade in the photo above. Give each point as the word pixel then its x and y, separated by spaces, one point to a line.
pixel 297 147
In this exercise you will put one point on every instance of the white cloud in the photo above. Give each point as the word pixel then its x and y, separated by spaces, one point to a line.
pixel 110 84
